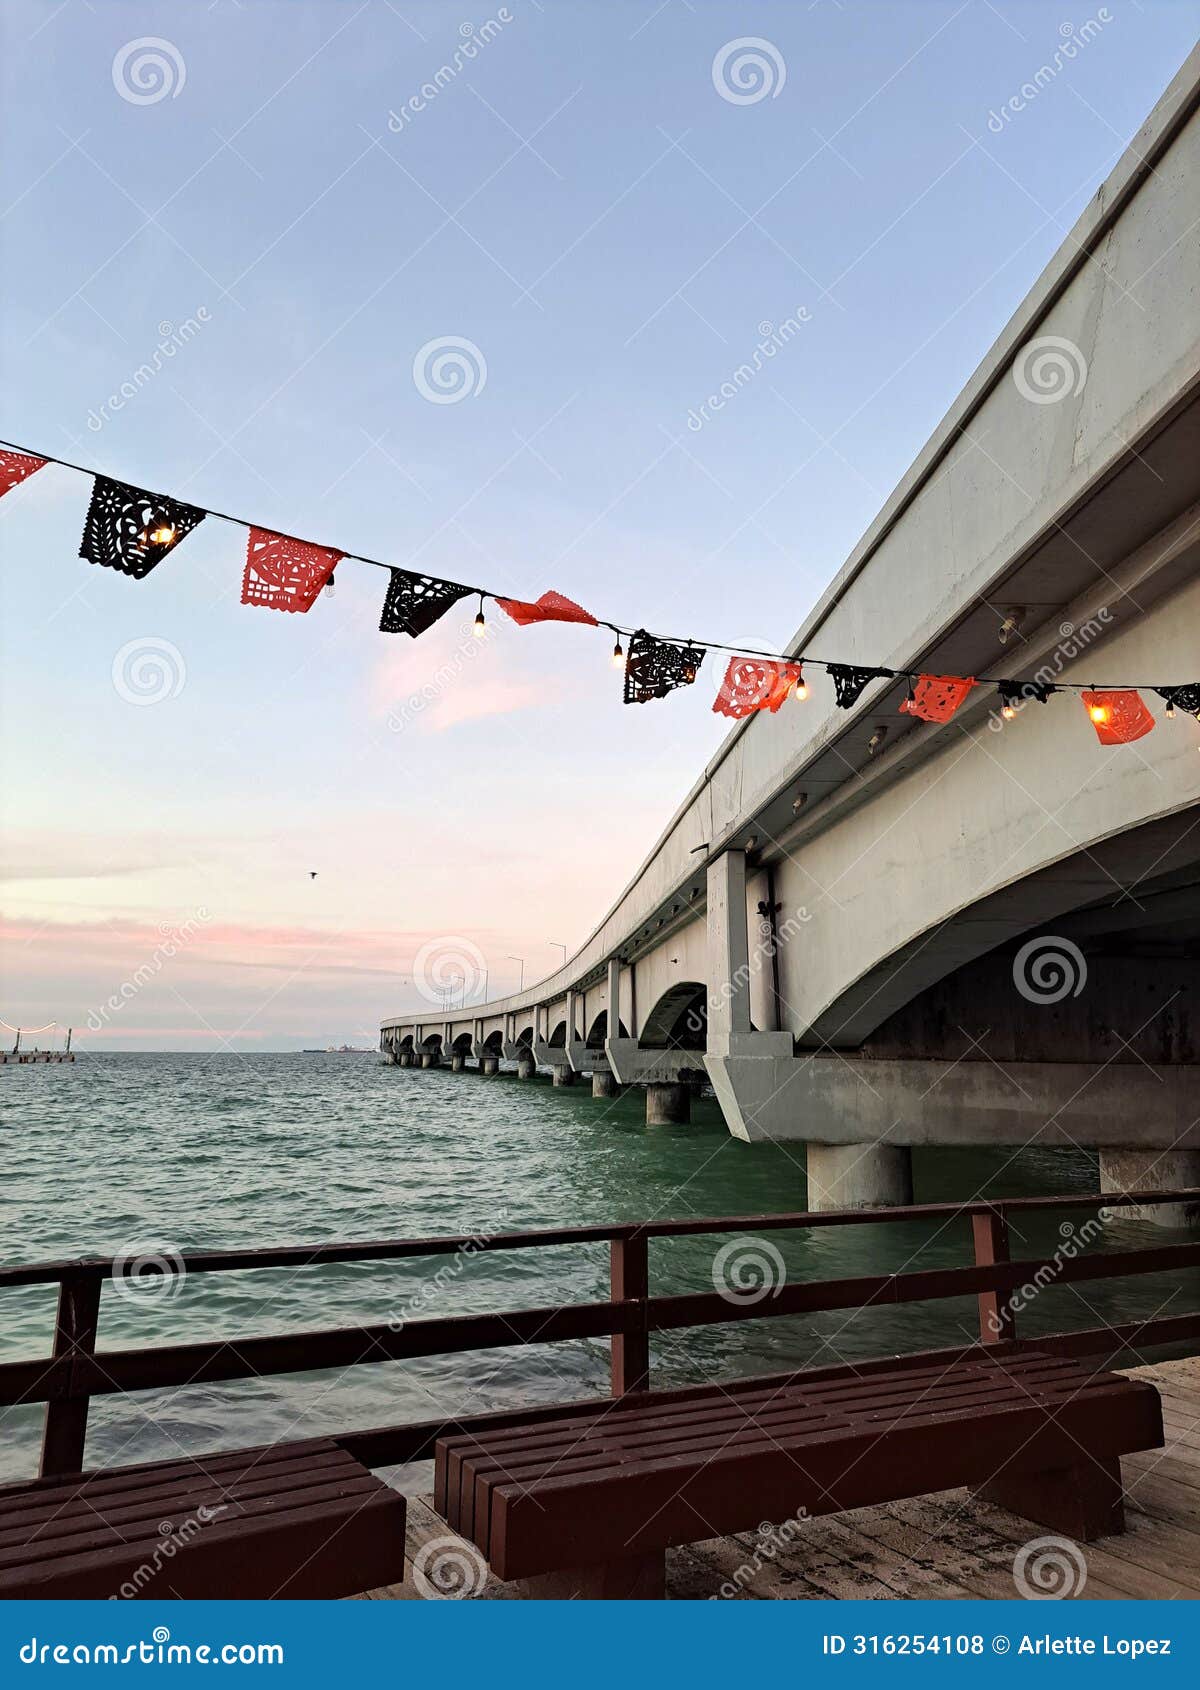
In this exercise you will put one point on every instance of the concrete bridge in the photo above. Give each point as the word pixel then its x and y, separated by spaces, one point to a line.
pixel 851 924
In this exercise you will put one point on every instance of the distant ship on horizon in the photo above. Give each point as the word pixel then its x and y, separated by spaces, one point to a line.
pixel 337 1050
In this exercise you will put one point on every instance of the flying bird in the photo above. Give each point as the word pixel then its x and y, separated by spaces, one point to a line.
pixel 312 873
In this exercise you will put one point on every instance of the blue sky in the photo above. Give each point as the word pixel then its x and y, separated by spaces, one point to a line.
pixel 613 236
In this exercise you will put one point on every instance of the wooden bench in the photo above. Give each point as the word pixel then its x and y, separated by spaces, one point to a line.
pixel 586 1505
pixel 291 1520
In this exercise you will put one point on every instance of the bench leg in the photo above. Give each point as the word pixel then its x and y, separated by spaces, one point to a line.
pixel 641 1578
pixel 1082 1502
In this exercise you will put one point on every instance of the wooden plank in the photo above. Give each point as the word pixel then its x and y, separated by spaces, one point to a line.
pixel 65 1430
pixel 989 1234
pixel 213 1261
pixel 629 1281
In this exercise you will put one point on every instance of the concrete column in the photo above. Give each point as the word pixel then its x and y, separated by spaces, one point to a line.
pixel 458 1062
pixel 571 1019
pixel 1152 1170
pixel 429 1059
pixel 667 1105
pixel 859 1176
pixel 526 1066
pixel 489 1065
pixel 728 949
pixel 563 1076
pixel 614 998
pixel 404 1060
pixel 604 1083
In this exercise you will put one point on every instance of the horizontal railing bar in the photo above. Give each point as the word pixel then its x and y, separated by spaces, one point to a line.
pixel 712 1308
pixel 398 1249
pixel 309 1352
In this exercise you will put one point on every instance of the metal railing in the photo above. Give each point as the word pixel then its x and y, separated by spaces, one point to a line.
pixel 76 1371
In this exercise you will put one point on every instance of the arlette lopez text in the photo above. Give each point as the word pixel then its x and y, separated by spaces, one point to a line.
pixel 974 1643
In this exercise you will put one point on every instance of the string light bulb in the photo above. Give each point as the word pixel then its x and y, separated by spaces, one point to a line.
pixel 163 535
pixel 1008 711
pixel 479 627
pixel 1170 710
pixel 329 585
pixel 801 688
pixel 618 656
pixel 1099 713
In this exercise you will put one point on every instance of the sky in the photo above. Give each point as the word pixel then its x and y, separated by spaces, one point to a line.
pixel 597 213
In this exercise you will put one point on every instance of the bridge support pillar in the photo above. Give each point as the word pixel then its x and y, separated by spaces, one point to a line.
pixel 668 1105
pixel 458 1062
pixel 1156 1170
pixel 429 1059
pixel 489 1065
pixel 404 1060
pixel 564 1076
pixel 604 1083
pixel 859 1176
pixel 526 1066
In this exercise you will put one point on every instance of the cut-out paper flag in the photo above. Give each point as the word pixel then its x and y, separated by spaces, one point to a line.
pixel 132 531
pixel 1182 698
pixel 1118 716
pixel 848 682
pixel 935 698
pixel 551 607
pixel 16 467
pixel 756 683
pixel 414 602
pixel 654 668
pixel 285 574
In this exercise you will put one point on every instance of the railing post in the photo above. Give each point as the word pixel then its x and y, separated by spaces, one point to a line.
pixel 629 1279
pixel 65 1429
pixel 990 1234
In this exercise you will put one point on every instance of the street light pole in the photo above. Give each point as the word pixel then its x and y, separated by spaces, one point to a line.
pixel 559 946
pixel 521 960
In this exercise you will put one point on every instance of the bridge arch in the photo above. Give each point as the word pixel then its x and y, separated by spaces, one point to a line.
pixel 679 1020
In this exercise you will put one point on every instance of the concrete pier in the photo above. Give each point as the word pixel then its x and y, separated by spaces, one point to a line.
pixel 668 1105
pixel 564 1076
pixel 604 1083
pixel 526 1067
pixel 1162 1170
pixel 489 1065
pixel 858 1176
pixel 429 1059
pixel 458 1062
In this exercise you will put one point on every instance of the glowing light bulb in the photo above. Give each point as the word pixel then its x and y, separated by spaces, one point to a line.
pixel 618 656
pixel 1008 712
pixel 1099 713
pixel 1170 710
pixel 162 535
pixel 801 689
pixel 479 627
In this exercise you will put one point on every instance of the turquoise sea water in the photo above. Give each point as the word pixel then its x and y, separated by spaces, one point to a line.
pixel 129 1154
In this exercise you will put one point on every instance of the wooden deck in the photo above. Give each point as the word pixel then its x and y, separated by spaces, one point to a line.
pixel 947 1546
